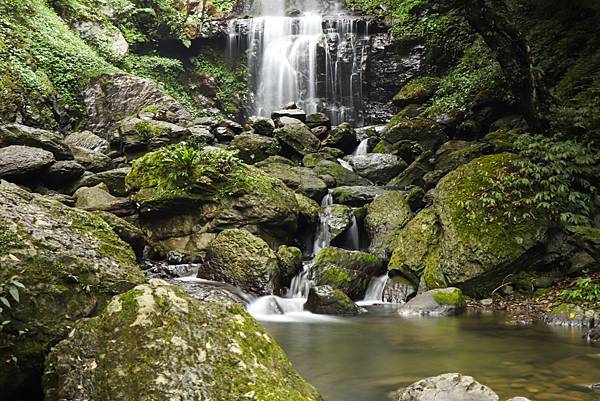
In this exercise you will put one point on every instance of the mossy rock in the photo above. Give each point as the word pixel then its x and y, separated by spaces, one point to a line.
pixel 340 175
pixel 342 137
pixel 338 219
pixel 426 132
pixel 416 91
pixel 297 138
pixel 308 209
pixel 349 271
pixel 253 148
pixel 240 258
pixel 327 300
pixel 386 215
pixel 439 302
pixel 146 339
pixel 290 264
pixel 300 179
pixel 71 264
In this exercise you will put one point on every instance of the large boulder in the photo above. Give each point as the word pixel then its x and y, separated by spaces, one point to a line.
pixel 70 264
pixel 426 132
pixel 149 339
pixel 113 179
pixel 98 198
pixel 378 168
pixel 253 148
pixel 414 174
pixel 349 271
pixel 439 302
pixel 337 218
pixel 62 173
pixel 356 196
pixel 17 134
pixel 447 387
pixel 20 163
pixel 327 300
pixel 335 174
pixel 240 258
pixel 452 246
pixel 297 138
pixel 87 140
pixel 386 215
pixel 92 160
pixel 342 137
pixel 300 179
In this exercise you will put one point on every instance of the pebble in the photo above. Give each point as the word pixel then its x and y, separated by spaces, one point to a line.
pixel 487 302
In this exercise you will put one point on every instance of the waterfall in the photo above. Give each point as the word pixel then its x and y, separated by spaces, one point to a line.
pixel 374 294
pixel 310 58
pixel 345 164
pixel 352 236
pixel 322 235
pixel 362 148
pixel 300 283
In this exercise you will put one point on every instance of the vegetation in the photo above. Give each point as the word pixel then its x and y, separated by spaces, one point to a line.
pixel 584 290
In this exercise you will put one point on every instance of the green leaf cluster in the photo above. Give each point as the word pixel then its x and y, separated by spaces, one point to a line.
pixel 584 290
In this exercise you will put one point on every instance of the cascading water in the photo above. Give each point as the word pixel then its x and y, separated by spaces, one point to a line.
pixel 322 235
pixel 362 148
pixel 308 58
pixel 374 294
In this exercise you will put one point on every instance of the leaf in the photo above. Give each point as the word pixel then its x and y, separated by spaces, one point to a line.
pixel 14 292
pixel 5 301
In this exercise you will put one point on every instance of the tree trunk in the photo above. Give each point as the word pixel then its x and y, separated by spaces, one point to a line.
pixel 490 19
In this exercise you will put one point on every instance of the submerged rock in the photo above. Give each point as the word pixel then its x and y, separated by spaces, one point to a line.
pixel 439 302
pixel 70 263
pixel 447 387
pixel 327 300
pixel 157 342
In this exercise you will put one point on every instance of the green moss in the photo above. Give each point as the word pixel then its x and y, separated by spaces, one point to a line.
pixel 148 130
pixel 447 297
pixel 335 276
pixel 417 90
pixel 8 239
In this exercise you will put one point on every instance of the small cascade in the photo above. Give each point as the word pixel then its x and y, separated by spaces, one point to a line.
pixel 374 294
pixel 301 283
pixel 362 148
pixel 345 164
pixel 322 235
pixel 352 236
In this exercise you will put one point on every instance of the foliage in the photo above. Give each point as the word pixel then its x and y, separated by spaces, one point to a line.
pixel 9 289
pixel 551 179
pixel 584 290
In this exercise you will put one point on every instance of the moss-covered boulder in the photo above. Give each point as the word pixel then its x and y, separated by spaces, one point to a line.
pixel 150 338
pixel 334 172
pixel 297 139
pixel 70 264
pixel 242 259
pixel 424 131
pixel 338 219
pixel 290 264
pixel 416 91
pixel 439 302
pixel 386 215
pixel 447 245
pixel 342 137
pixel 327 300
pixel 349 271
pixel 300 179
pixel 378 168
pixel 308 209
pixel 253 148
pixel 356 196
pixel 414 174
pixel 186 195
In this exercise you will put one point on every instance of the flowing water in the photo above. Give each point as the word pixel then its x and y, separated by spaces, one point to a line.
pixel 366 357
pixel 374 294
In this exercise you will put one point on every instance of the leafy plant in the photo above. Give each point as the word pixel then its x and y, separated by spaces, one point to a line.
pixel 8 290
pixel 583 290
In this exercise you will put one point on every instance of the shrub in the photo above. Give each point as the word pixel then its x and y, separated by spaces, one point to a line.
pixel 584 290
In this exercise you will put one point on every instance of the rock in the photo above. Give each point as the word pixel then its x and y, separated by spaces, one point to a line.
pixel 454 153
pixel 440 302
pixel 112 97
pixel 327 300
pixel 349 271
pixel 414 173
pixel 129 233
pixel 91 160
pixel 87 140
pixel 425 132
pixel 98 198
pixel 70 262
pixel 308 209
pixel 338 219
pixel 593 335
pixel 240 258
pixel 292 113
pixel 297 137
pixel 19 162
pixel 397 290
pixel 300 179
pixel 261 125
pixel 318 120
pixel 320 132
pixel 386 215
pixel 377 167
pixel 518 399
pixel 113 179
pixel 223 352
pixel 312 159
pixel 568 315
pixel 254 148
pixel 339 175
pixel 96 34
pixel 447 387
pixel 224 134
pixel 17 134
pixel 200 136
pixel 342 137
pixel 417 91
pixel 356 196
pixel 290 264
pixel 62 173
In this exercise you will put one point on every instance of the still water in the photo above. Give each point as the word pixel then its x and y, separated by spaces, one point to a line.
pixel 367 357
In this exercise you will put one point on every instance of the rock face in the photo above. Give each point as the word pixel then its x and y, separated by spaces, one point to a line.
pixel 349 271
pixel 326 300
pixel 378 168
pixel 22 162
pixel 386 215
pixel 242 259
pixel 70 262
pixel 448 387
pixel 438 302
pixel 155 335
pixel 472 253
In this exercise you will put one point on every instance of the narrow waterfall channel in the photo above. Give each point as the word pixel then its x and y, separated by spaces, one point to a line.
pixel 313 55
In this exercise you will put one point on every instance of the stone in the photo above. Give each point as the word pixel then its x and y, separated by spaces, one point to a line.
pixel 298 138
pixel 356 196
pixel 568 315
pixel 300 179
pixel 308 209
pixel 447 387
pixel 91 160
pixel 62 173
pixel 338 219
pixel 87 140
pixel 290 264
pixel 397 290
pixel 425 132
pixel 293 113
pixel 438 302
pixel 340 175
pixel 312 159
pixel 318 120
pixel 386 215
pixel 253 148
pixel 349 271
pixel 19 162
pixel 240 258
pixel 129 233
pixel 98 198
pixel 593 335
pixel 342 137
pixel 261 125
pixel 17 134
pixel 327 300
pixel 219 348
pixel 416 91
pixel 70 263
pixel 111 39
pixel 377 167
pixel 414 173
pixel 113 179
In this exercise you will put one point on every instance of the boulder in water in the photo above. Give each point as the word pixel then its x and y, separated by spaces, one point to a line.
pixel 447 387
pixel 356 196
pixel 158 342
pixel 338 219
pixel 439 302
pixel 327 300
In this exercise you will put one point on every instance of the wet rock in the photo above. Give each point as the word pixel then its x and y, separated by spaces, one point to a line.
pixel 447 387
pixel 19 162
pixel 17 134
pixel 386 215
pixel 312 159
pixel 223 351
pixel 318 120
pixel 308 209
pixel 91 160
pixel 327 300
pixel 439 302
pixel 254 148
pixel 298 138
pixel 224 134
pixel 416 91
pixel 62 173
pixel 397 290
pixel 292 113
pixel 70 262
pixel 242 259
pixel 338 219
pixel 290 264
pixel 377 167
pixel 593 336
pixel 339 175
pixel 572 316
pixel 342 137
pixel 356 196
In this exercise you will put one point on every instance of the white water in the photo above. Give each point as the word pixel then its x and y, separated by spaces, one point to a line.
pixel 362 148
pixel 374 294
pixel 352 236
pixel 345 164
pixel 322 235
